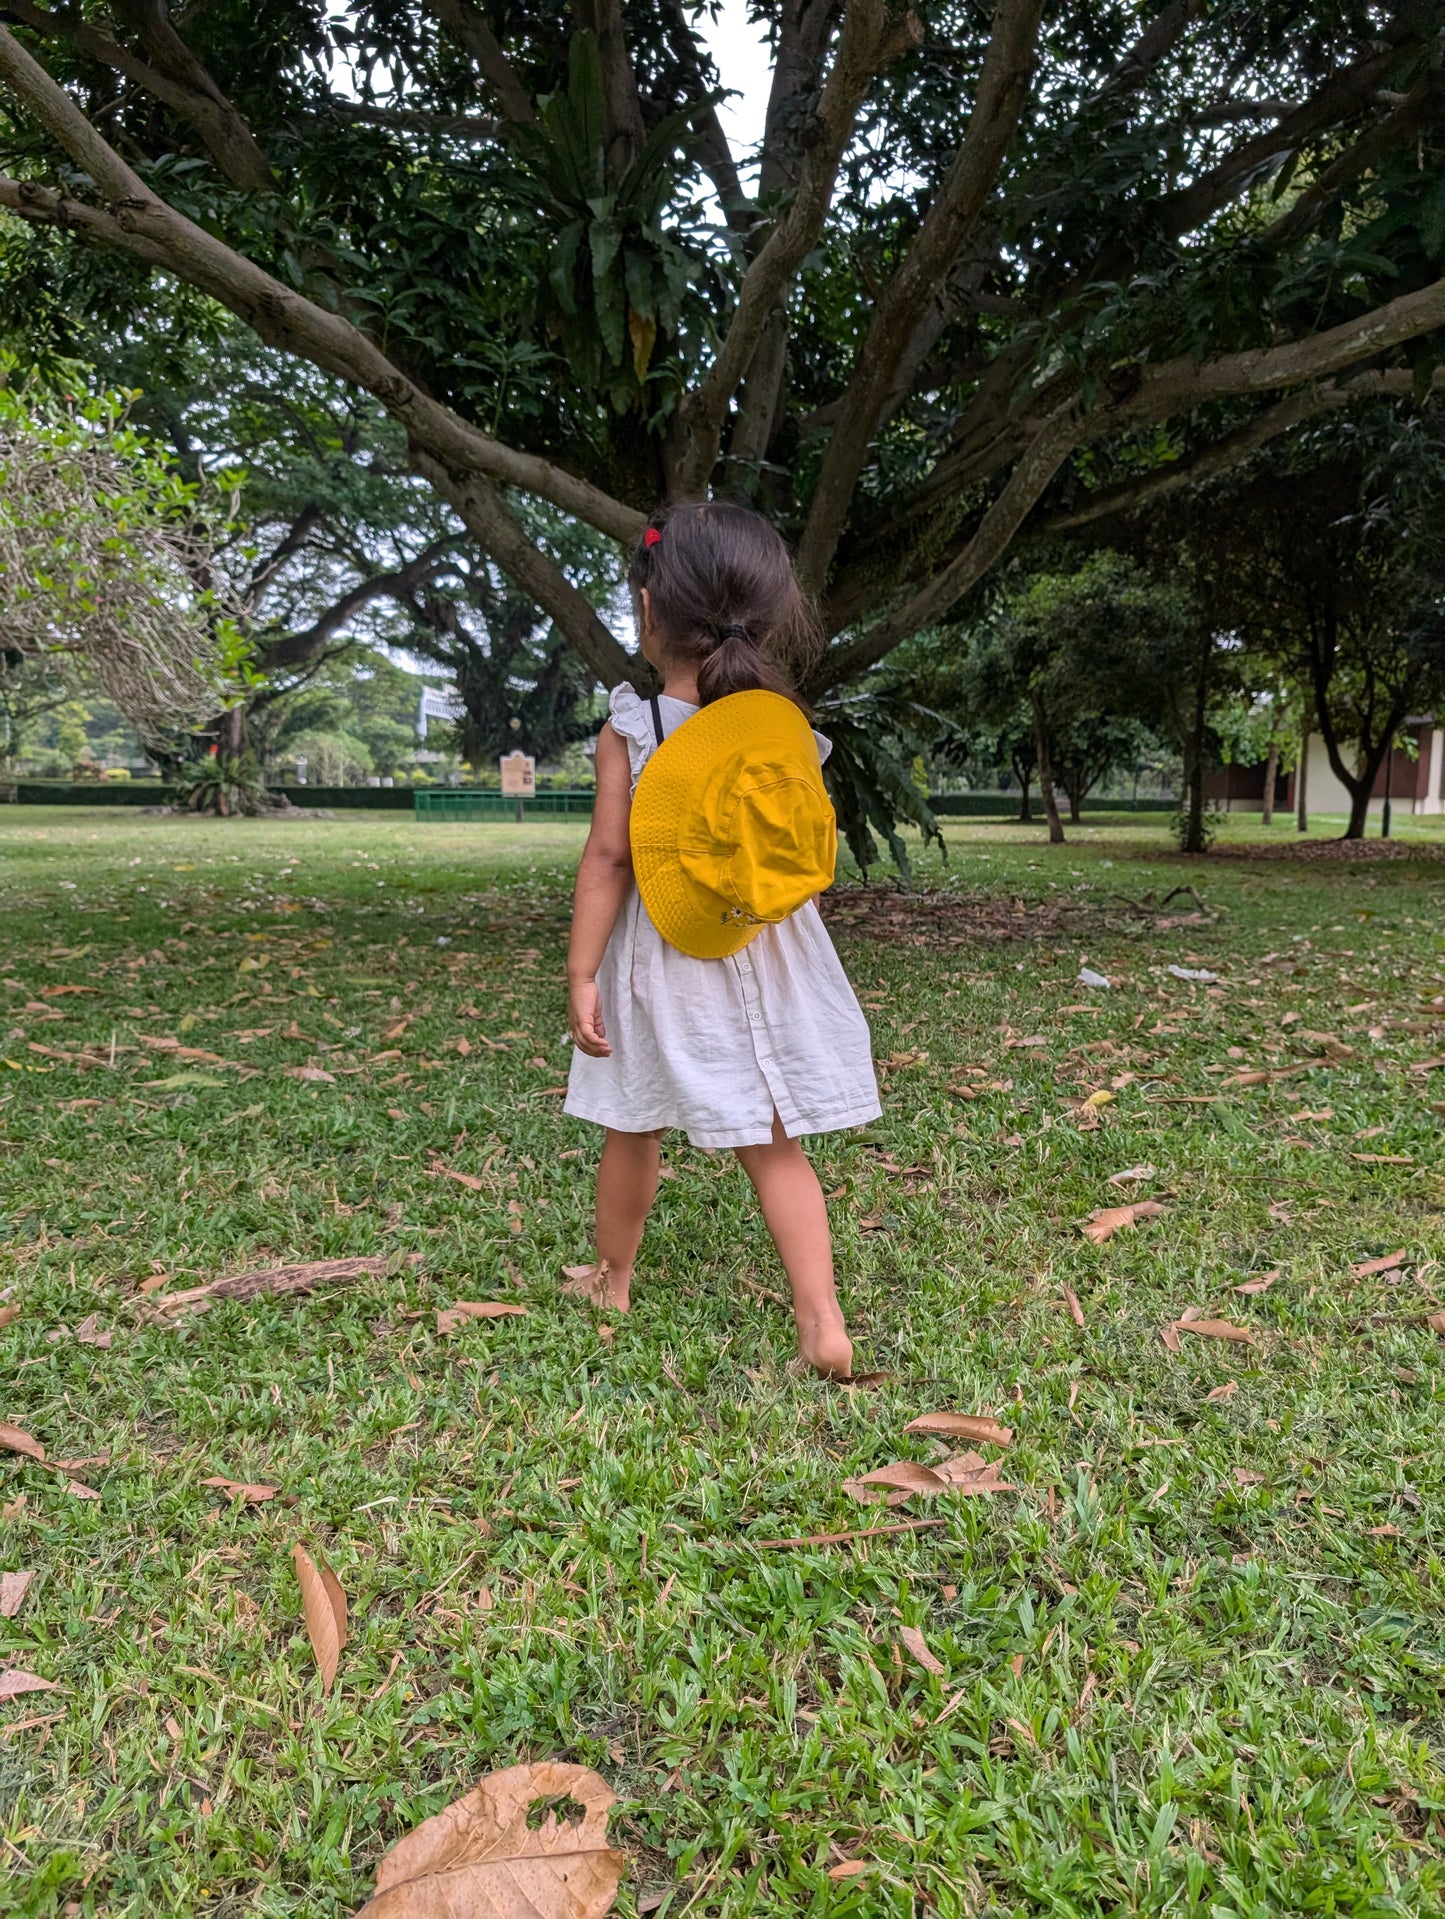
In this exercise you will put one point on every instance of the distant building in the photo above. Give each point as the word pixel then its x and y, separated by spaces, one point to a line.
pixel 1417 785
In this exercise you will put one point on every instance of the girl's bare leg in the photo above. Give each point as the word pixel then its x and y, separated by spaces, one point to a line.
pixel 797 1217
pixel 626 1188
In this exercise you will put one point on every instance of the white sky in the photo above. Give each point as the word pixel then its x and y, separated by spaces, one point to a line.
pixel 745 63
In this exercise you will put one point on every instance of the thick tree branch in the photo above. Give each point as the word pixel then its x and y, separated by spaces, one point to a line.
pixel 468 27
pixel 172 75
pixel 1002 90
pixel 136 222
pixel 295 649
pixel 620 104
pixel 1403 123
pixel 486 514
pixel 874 34
pixel 458 126
pixel 1210 461
pixel 1177 385
pixel 1051 445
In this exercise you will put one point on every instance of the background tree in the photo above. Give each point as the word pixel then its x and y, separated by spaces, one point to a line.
pixel 108 560
pixel 990 270
pixel 1341 580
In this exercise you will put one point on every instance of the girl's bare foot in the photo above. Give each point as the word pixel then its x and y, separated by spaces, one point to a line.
pixel 823 1342
pixel 600 1285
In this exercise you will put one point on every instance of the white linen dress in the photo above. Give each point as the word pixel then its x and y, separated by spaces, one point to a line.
pixel 716 1046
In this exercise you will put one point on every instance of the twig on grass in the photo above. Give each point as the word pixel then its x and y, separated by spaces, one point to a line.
pixel 844 1539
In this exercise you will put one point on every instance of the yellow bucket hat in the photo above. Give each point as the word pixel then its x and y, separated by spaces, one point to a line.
pixel 732 828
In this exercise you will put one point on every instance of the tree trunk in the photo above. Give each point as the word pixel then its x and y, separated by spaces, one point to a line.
pixel 1046 775
pixel 1302 816
pixel 1194 839
pixel 1271 774
pixel 1026 780
pixel 1359 809
pixel 1076 807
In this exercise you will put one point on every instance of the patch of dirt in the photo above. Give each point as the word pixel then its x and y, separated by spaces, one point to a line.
pixel 1328 852
pixel 886 913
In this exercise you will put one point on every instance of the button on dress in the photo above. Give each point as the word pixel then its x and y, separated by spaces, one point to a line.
pixel 716 1046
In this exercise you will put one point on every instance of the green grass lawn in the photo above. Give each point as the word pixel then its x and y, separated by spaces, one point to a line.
pixel 1194 1662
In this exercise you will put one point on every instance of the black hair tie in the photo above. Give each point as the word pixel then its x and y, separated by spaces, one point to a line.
pixel 734 631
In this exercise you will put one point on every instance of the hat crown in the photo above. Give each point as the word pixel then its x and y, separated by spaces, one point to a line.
pixel 732 828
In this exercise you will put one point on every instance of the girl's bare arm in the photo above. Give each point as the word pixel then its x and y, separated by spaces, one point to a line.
pixel 603 881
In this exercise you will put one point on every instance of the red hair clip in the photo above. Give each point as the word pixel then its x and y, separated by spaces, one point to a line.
pixel 651 536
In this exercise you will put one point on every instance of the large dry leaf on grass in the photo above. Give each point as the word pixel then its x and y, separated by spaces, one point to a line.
pixel 969 1473
pixel 13 1588
pixel 899 1481
pixel 490 1855
pixel 15 1682
pixel 462 1179
pixel 1215 1329
pixel 1261 1285
pixel 9 1314
pixel 249 1493
pixel 1387 1263
pixel 13 1440
pixel 268 1279
pixel 915 1642
pixel 1131 1176
pixel 1436 1322
pixel 450 1317
pixel 324 1604
pixel 1113 1219
pixel 962 1426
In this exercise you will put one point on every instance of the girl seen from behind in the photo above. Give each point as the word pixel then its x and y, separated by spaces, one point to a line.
pixel 704 991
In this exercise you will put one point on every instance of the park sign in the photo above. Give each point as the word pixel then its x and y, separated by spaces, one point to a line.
pixel 519 776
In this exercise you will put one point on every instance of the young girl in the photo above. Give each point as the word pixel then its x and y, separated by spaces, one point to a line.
pixel 747 1052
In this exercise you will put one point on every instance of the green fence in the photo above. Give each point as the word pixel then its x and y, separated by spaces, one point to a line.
pixel 463 803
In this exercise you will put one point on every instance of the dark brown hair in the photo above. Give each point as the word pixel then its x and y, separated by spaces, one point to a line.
pixel 724 597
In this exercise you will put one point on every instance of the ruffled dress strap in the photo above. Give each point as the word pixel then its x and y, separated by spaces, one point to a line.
pixel 631 716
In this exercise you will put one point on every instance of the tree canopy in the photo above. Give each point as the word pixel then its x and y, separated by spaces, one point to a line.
pixel 990 273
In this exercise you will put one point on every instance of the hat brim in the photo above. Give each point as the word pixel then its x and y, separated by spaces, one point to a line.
pixel 688 915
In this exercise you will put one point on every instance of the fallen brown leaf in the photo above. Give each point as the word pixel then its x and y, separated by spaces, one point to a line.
pixel 13 1440
pixel 898 1480
pixel 850 1869
pixel 1226 1391
pixel 324 1604
pixel 14 1682
pixel 1436 1322
pixel 450 1317
pixel 248 1493
pixel 1112 1219
pixel 13 1588
pixel 1244 1477
pixel 88 1332
pixel 485 1854
pixel 311 1073
pixel 1170 1336
pixel 969 1473
pixel 462 1179
pixel 1076 1311
pixel 269 1279
pixel 1131 1176
pixel 1384 1159
pixel 1215 1329
pixel 1262 1284
pixel 962 1426
pixel 8 1314
pixel 915 1642
pixel 1386 1263
pixel 1383 1532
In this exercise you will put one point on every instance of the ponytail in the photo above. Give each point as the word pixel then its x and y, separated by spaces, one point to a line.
pixel 736 665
